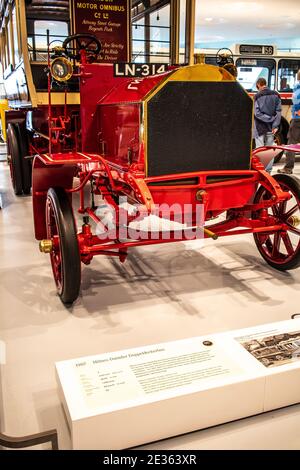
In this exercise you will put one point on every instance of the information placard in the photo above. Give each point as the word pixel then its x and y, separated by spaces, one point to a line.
pixel 123 399
pixel 137 376
pixel 109 21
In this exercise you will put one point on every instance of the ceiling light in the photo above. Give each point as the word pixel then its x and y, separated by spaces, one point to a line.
pixel 210 21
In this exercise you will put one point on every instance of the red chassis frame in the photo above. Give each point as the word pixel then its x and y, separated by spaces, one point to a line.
pixel 111 182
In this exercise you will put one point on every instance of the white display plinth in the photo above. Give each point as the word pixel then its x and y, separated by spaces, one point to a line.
pixel 124 399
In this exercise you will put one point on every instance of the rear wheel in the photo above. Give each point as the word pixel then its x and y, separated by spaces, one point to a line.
pixel 20 167
pixel 26 164
pixel 281 250
pixel 14 159
pixel 65 255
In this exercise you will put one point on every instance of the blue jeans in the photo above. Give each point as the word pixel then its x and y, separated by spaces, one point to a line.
pixel 268 141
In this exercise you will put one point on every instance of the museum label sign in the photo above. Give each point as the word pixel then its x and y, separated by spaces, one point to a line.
pixel 127 398
pixel 109 21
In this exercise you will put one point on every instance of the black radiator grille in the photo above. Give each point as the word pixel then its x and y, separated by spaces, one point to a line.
pixel 197 126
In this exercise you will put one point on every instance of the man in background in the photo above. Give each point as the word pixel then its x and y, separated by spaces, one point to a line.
pixel 294 131
pixel 267 116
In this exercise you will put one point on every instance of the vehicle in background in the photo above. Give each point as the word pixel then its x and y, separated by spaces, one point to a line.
pixel 279 68
pixel 26 27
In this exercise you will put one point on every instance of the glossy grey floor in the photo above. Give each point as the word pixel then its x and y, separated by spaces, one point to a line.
pixel 161 294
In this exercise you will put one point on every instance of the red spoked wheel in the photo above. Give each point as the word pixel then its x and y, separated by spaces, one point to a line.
pixel 65 254
pixel 281 250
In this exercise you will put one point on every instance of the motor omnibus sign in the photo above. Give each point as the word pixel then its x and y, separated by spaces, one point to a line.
pixel 109 21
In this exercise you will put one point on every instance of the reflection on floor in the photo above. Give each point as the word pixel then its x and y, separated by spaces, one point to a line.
pixel 161 294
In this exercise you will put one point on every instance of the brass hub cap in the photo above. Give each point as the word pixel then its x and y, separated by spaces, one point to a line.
pixel 46 246
pixel 294 221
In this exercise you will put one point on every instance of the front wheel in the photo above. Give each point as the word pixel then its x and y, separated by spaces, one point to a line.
pixel 281 250
pixel 65 255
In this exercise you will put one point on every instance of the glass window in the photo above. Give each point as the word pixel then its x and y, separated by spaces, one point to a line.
pixel 287 70
pixel 6 48
pixel 151 36
pixel 160 35
pixel 9 42
pixel 182 31
pixel 250 70
pixel 58 31
pixel 15 36
pixel 138 41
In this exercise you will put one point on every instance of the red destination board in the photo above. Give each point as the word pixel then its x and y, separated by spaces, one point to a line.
pixel 109 21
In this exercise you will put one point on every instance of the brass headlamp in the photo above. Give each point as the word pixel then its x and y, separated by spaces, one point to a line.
pixel 61 69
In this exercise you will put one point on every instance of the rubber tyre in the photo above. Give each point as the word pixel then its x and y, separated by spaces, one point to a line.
pixel 58 202
pixel 26 164
pixel 293 184
pixel 13 151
